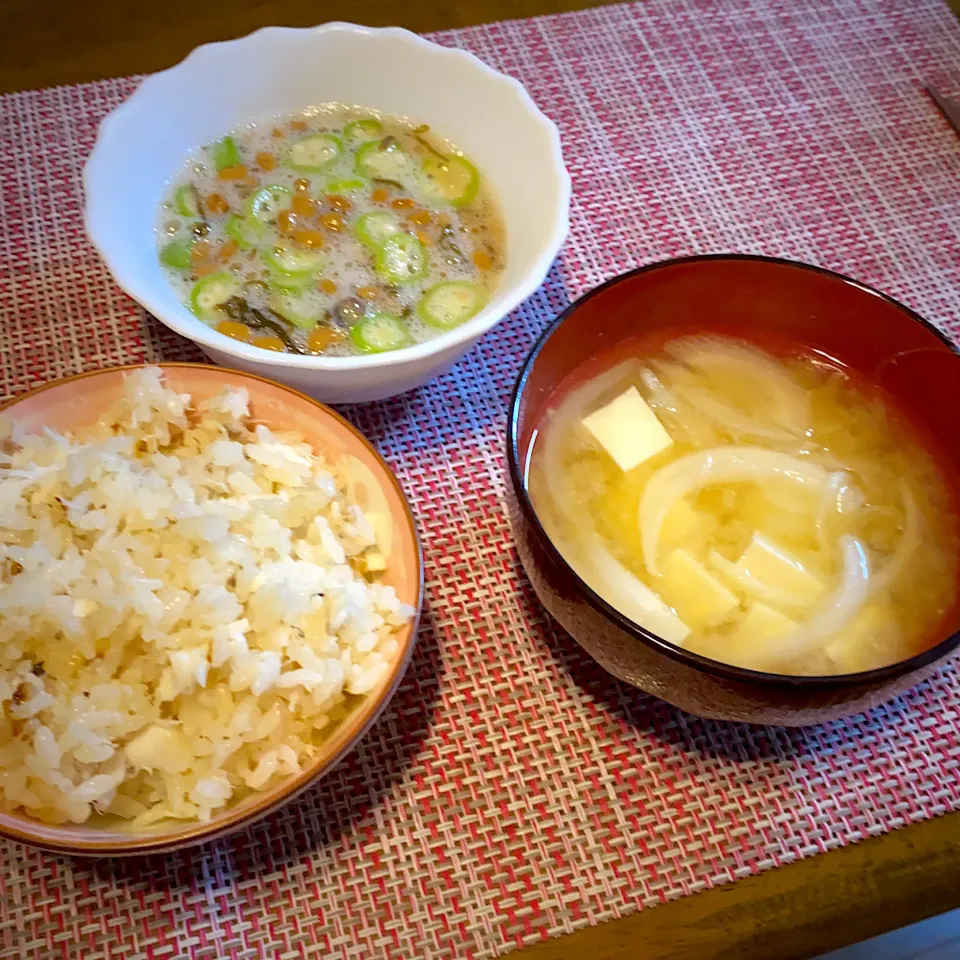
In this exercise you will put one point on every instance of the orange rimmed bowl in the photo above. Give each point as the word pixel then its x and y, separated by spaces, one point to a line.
pixel 77 401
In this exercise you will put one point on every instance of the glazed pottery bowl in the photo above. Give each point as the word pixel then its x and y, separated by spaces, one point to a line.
pixel 78 401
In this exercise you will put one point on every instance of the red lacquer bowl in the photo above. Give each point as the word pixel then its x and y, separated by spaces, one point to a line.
pixel 881 340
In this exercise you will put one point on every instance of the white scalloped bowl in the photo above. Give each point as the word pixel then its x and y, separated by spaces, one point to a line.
pixel 278 70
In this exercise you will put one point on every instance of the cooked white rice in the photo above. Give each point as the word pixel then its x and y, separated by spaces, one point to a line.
pixel 186 606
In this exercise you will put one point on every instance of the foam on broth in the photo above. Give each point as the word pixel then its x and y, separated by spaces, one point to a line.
pixel 873 528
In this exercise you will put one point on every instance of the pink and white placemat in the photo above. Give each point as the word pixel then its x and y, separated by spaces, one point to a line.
pixel 512 791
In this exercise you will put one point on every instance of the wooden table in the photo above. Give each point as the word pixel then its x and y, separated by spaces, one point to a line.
pixel 796 911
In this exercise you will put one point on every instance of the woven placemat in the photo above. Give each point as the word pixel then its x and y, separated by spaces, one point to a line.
pixel 512 791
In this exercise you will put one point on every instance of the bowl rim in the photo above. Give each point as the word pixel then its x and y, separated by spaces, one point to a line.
pixel 233 819
pixel 500 304
pixel 697 661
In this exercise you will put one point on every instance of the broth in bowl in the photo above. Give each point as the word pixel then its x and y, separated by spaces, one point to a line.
pixel 761 507
pixel 331 232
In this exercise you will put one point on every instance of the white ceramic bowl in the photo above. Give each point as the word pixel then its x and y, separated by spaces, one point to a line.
pixel 278 70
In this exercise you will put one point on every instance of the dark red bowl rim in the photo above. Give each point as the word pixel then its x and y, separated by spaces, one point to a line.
pixel 695 660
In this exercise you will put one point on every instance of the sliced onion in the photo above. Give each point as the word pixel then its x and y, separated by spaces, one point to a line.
pixel 581 401
pixel 658 395
pixel 593 561
pixel 787 403
pixel 573 408
pixel 839 496
pixel 742 577
pixel 837 612
pixel 600 569
pixel 730 464
pixel 628 594
pixel 663 402
pixel 909 541
pixel 727 416
pixel 565 418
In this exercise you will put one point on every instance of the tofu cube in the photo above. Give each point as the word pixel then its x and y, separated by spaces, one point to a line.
pixel 628 430
pixel 763 623
pixel 873 638
pixel 754 643
pixel 697 595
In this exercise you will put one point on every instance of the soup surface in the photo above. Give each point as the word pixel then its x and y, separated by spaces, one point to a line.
pixel 331 232
pixel 762 510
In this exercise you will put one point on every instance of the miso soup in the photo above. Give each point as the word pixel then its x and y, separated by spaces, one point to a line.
pixel 765 510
